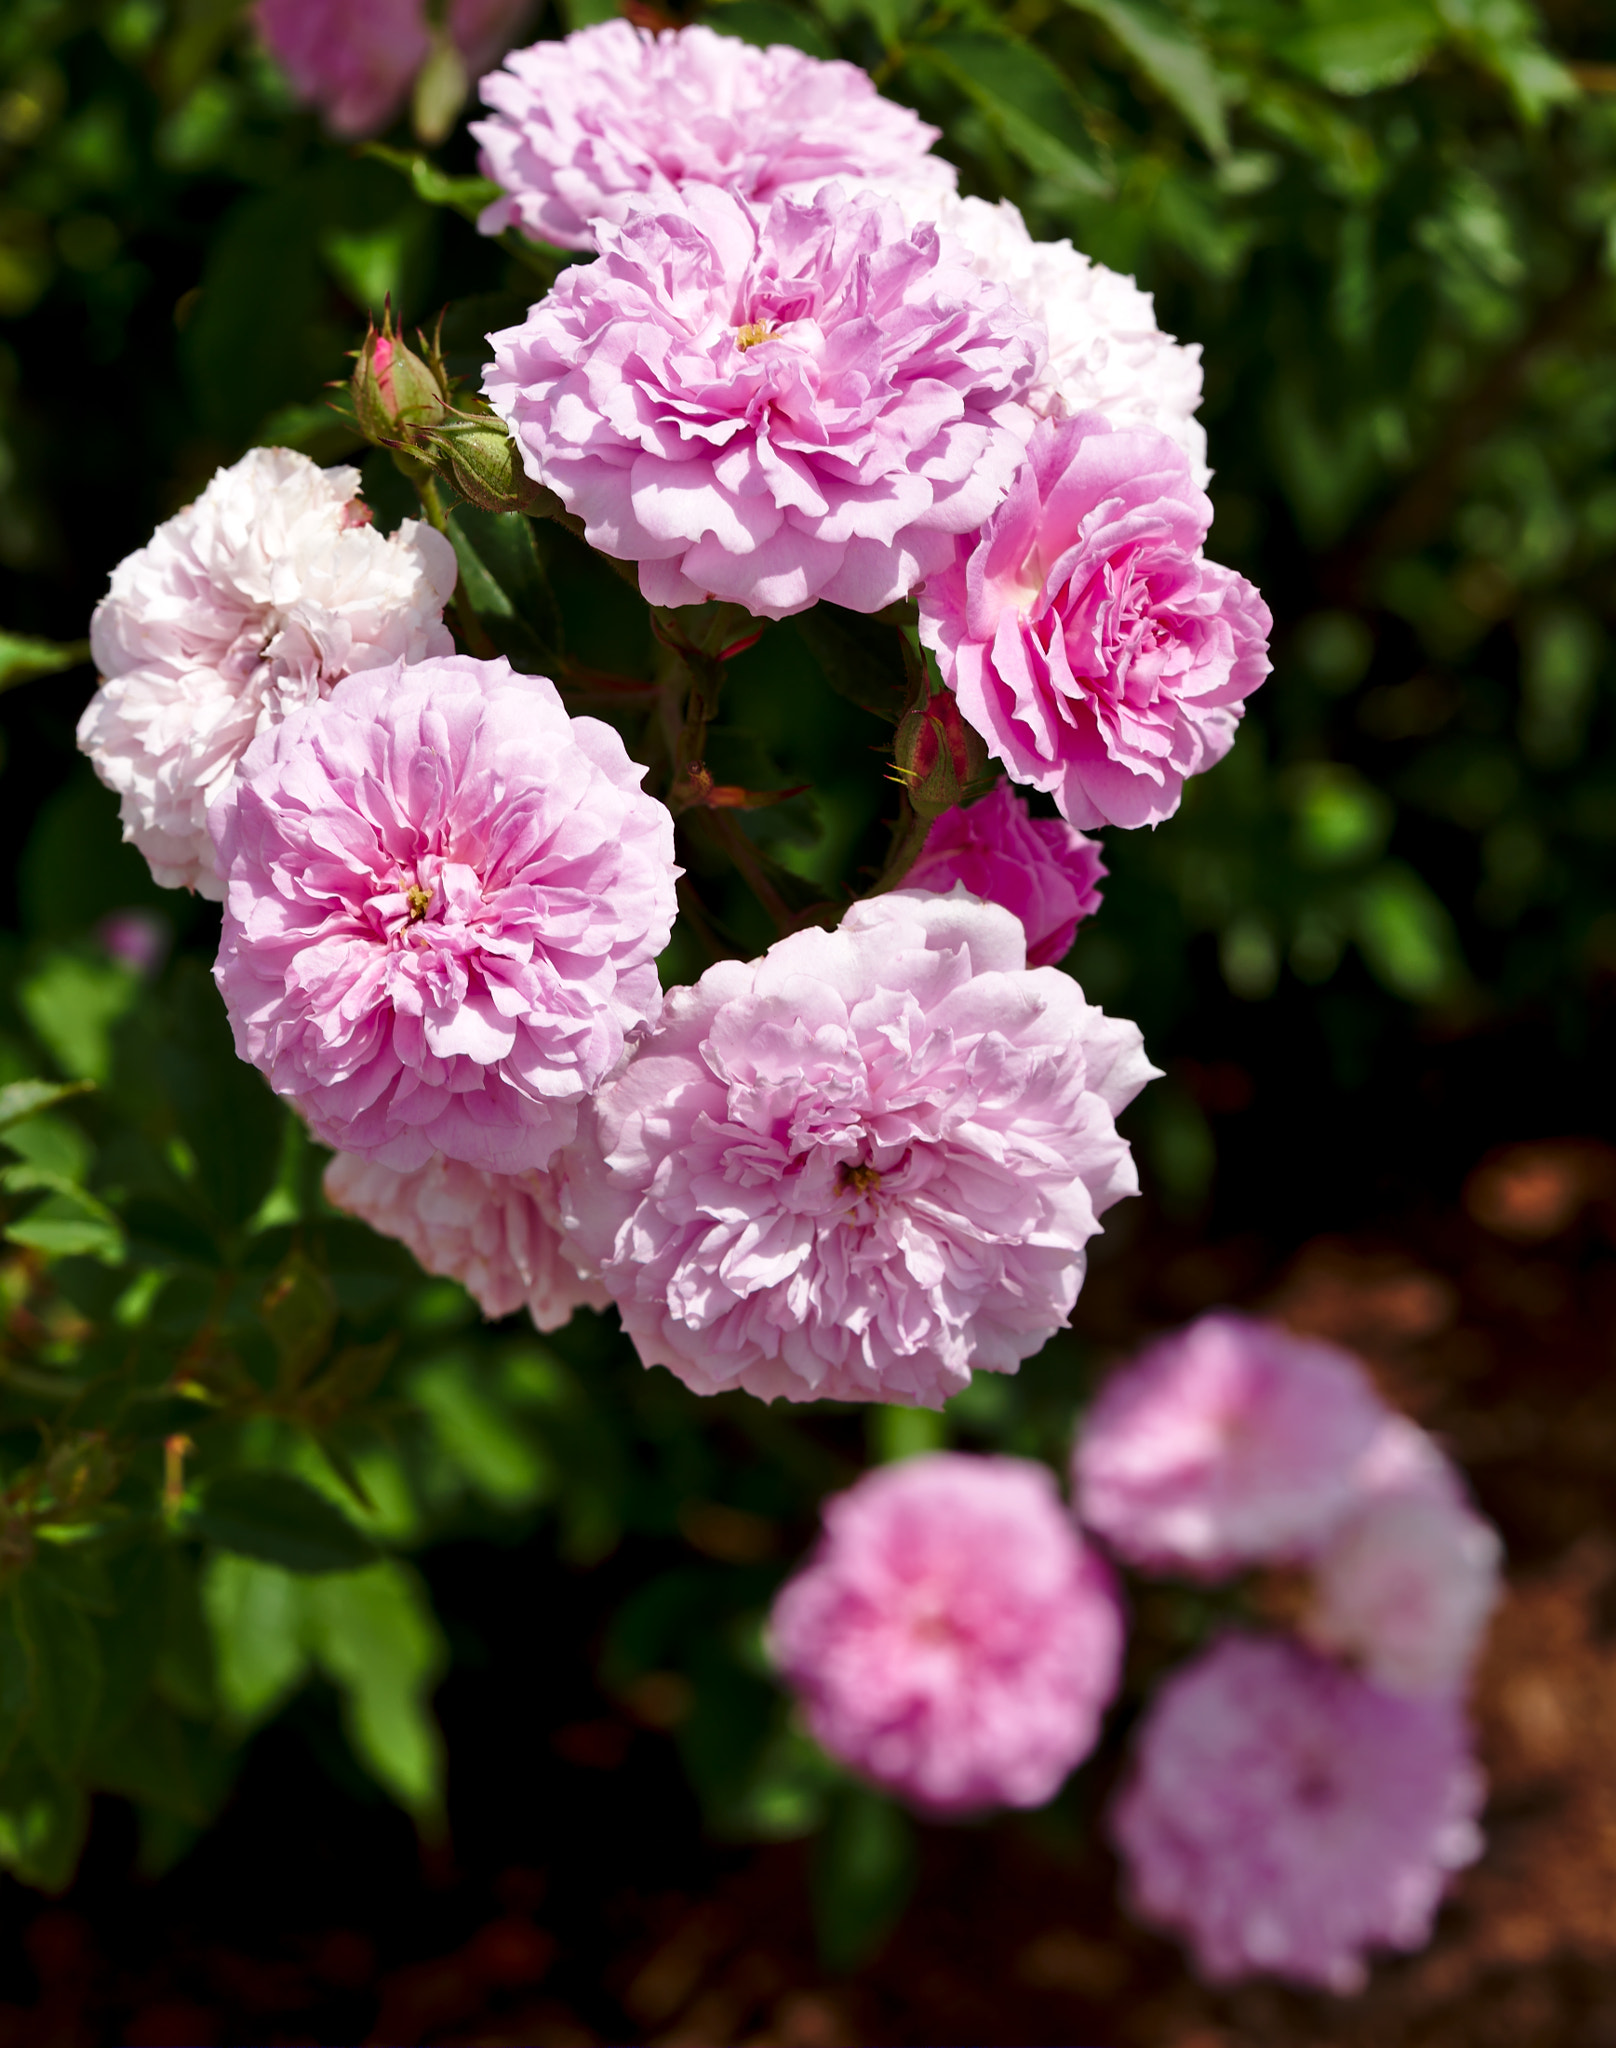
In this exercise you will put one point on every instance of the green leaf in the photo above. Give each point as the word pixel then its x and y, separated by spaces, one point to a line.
pixel 256 1616
pixel 465 196
pixel 1027 99
pixel 227 1115
pixel 65 1663
pixel 479 1435
pixel 1359 46
pixel 503 580
pixel 863 1873
pixel 860 658
pixel 147 1759
pixel 281 1520
pixel 16 1682
pixel 766 22
pixel 20 1099
pixel 23 658
pixel 1504 37
pixel 132 1635
pixel 76 1573
pixel 1172 58
pixel 184 1671
pixel 42 1822
pixel 1407 937
pixel 299 1310
pixel 69 1224
pixel 72 1000
pixel 375 1636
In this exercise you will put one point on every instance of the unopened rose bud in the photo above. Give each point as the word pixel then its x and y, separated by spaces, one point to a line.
pixel 478 458
pixel 396 395
pixel 939 758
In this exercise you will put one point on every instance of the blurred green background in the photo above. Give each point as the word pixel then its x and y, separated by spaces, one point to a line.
pixel 1378 939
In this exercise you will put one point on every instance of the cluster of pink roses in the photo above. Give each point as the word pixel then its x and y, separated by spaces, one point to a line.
pixel 871 1160
pixel 1292 1801
pixel 799 367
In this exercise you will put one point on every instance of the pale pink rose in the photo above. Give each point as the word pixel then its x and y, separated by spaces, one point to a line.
pixel 586 128
pixel 1101 657
pixel 256 600
pixel 1286 1817
pixel 444 903
pixel 1106 352
pixel 1405 1582
pixel 1041 869
pixel 1227 1444
pixel 495 1233
pixel 770 407
pixel 952 1638
pixel 356 60
pixel 859 1167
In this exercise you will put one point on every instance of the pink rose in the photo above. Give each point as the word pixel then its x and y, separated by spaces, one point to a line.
pixel 1042 869
pixel 1096 651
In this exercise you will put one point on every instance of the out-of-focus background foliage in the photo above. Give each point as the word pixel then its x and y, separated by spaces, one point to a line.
pixel 252 1464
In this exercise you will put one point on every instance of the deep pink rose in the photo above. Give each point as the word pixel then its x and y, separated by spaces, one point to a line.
pixel 952 1637
pixel 1096 651
pixel 1041 868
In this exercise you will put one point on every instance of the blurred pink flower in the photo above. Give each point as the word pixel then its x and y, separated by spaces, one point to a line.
pixel 1226 1444
pixel 1042 869
pixel 139 938
pixel 1285 1816
pixel 255 600
pixel 584 128
pixel 1090 643
pixel 860 1166
pixel 771 407
pixel 495 1233
pixel 1405 1581
pixel 357 60
pixel 952 1637
pixel 445 899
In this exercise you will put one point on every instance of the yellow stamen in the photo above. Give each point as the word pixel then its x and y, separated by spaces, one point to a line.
pixel 753 332
pixel 419 900
pixel 864 1179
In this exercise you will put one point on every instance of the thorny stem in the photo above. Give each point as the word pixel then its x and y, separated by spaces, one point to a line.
pixel 909 832
pixel 744 855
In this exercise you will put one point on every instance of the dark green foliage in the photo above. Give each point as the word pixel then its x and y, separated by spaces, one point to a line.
pixel 227 1416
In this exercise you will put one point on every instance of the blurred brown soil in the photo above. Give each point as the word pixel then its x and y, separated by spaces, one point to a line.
pixel 1495 1326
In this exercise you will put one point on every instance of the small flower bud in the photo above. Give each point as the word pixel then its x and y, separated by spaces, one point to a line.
pixel 940 760
pixel 396 396
pixel 478 458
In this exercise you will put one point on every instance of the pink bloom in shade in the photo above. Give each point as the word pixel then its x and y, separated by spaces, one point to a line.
pixel 771 407
pixel 138 938
pixel 1227 1444
pixel 495 1233
pixel 255 600
pixel 445 901
pixel 952 1637
pixel 860 1166
pixel 1285 1816
pixel 585 128
pixel 1405 1582
pixel 1042 869
pixel 357 60
pixel 1096 651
